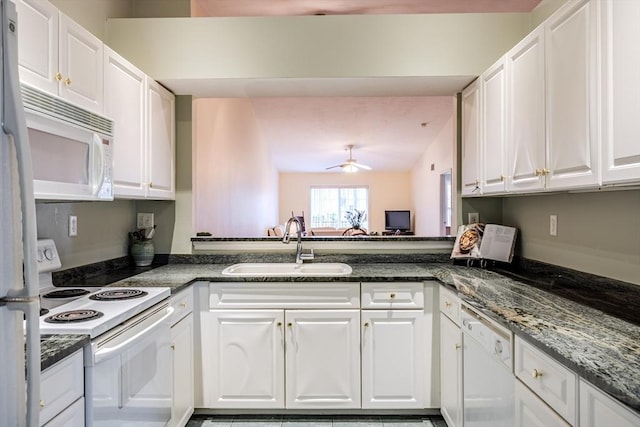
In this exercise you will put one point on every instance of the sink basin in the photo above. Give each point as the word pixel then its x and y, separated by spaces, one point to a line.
pixel 253 269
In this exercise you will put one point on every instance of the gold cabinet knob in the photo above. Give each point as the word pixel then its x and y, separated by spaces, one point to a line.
pixel 42 404
pixel 392 296
pixel 151 185
pixel 538 172
pixel 536 374
pixel 279 324
pixel 502 177
pixel 545 171
pixel 366 324
pixel 457 346
pixel 58 76
pixel 67 81
pixel 173 346
pixel 447 304
pixel 290 325
pixel 183 305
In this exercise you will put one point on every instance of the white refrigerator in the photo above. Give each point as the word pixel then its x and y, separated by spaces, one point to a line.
pixel 19 304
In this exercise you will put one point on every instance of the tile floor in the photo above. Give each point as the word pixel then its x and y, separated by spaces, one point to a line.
pixel 315 421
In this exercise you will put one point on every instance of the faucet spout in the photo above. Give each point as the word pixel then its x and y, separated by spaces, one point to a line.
pixel 286 237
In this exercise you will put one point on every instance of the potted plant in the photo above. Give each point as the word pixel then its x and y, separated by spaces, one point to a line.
pixel 355 218
pixel 141 246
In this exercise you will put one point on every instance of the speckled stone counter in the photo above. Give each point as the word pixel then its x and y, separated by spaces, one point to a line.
pixel 54 348
pixel 602 349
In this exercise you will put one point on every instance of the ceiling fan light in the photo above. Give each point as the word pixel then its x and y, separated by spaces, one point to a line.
pixel 349 168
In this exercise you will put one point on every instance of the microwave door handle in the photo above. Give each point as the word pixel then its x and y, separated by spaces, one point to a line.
pixel 14 125
pixel 98 164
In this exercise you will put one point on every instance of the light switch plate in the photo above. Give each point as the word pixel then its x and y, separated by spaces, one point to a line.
pixel 473 217
pixel 73 225
pixel 553 225
pixel 145 220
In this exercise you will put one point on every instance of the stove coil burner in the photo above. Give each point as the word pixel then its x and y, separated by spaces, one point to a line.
pixel 118 294
pixel 66 293
pixel 74 316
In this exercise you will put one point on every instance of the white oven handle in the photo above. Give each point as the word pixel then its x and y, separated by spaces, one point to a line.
pixel 104 352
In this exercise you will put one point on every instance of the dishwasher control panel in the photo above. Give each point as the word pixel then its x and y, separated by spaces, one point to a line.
pixel 493 337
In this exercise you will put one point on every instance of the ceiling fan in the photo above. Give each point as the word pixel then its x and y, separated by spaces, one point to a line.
pixel 351 164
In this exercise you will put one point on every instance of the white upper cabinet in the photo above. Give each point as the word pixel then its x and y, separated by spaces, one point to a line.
pixel 161 141
pixel 125 102
pixel 571 101
pixel 493 145
pixel 59 56
pixel 525 112
pixel 620 87
pixel 471 116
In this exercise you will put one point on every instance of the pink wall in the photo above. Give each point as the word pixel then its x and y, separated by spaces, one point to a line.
pixel 426 182
pixel 234 182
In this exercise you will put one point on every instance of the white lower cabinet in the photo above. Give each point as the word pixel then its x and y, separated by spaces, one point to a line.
pixel 243 358
pixel 599 410
pixel 183 358
pixel 450 371
pixel 309 346
pixel 393 359
pixel 322 359
pixel 531 411
pixel 62 393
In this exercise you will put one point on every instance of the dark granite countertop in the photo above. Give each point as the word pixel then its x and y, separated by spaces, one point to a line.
pixel 600 347
pixel 54 348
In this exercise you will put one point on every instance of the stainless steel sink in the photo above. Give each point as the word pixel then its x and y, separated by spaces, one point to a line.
pixel 253 269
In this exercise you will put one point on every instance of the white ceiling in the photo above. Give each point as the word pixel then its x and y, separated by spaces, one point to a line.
pixel 307 123
pixel 349 7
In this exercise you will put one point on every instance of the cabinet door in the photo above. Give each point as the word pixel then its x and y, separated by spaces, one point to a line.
pixel 494 84
pixel 450 372
pixel 597 409
pixel 38 44
pixel 81 65
pixel 72 416
pixel 124 102
pixel 620 90
pixel 393 347
pixel 572 143
pixel 323 359
pixel 243 358
pixel 525 128
pixel 161 141
pixel 470 162
pixel 530 411
pixel 183 385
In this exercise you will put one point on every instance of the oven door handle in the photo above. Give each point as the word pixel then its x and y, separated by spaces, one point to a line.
pixel 105 352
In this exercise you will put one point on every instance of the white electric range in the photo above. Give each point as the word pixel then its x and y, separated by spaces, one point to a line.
pixel 127 362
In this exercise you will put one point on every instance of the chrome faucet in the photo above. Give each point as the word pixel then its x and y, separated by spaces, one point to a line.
pixel 285 237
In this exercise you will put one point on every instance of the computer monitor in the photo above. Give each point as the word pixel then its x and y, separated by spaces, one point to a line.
pixel 397 220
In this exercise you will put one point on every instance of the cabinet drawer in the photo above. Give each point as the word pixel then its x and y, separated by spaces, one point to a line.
pixel 60 386
pixel 284 295
pixel 450 305
pixel 393 295
pixel 182 304
pixel 554 383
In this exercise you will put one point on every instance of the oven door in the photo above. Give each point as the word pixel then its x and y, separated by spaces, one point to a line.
pixel 129 379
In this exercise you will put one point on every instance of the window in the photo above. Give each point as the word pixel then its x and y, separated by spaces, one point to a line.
pixel 330 204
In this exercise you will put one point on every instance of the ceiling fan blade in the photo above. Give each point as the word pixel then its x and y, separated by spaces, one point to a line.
pixel 361 166
pixel 333 167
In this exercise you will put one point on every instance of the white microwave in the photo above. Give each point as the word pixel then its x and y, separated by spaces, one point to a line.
pixel 71 149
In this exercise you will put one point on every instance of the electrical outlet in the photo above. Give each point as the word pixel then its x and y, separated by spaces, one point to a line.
pixel 553 225
pixel 473 217
pixel 73 225
pixel 145 220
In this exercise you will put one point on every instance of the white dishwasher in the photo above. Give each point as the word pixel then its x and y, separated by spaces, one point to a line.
pixel 488 381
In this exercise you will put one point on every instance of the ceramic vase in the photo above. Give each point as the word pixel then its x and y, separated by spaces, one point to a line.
pixel 142 252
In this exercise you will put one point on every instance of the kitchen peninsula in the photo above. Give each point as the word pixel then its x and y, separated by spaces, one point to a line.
pixel 598 347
